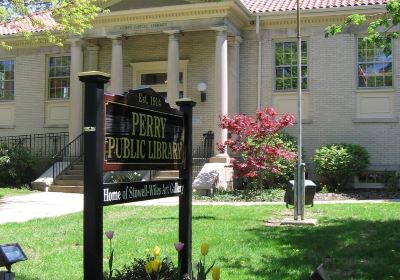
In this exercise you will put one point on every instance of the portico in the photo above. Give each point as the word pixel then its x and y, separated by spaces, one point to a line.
pixel 204 47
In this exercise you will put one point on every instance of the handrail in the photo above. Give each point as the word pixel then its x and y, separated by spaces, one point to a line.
pixel 203 153
pixel 70 154
pixel 45 144
pixel 200 155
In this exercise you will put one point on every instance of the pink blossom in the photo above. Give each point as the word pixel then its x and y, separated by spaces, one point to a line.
pixel 109 234
pixel 179 246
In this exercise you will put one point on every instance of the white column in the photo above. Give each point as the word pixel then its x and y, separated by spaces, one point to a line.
pixel 173 67
pixel 116 65
pixel 75 98
pixel 234 76
pixel 93 58
pixel 221 81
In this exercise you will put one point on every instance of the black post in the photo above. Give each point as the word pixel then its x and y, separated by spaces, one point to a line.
pixel 93 173
pixel 185 200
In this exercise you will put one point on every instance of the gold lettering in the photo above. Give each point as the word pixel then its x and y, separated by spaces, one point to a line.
pixel 164 150
pixel 126 147
pixel 135 122
pixel 111 145
pixel 157 127
pixel 142 146
pixel 149 126
pixel 118 151
pixel 142 131
pixel 163 122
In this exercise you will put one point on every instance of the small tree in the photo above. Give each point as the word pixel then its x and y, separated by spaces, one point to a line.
pixel 254 139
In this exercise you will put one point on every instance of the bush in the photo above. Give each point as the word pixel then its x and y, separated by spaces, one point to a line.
pixel 337 163
pixel 18 166
pixel 284 167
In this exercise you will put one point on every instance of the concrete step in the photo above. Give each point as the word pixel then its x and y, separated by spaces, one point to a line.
pixel 74 172
pixel 60 182
pixel 70 177
pixel 66 189
pixel 76 166
pixel 168 173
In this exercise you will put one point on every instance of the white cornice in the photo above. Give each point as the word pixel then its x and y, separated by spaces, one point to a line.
pixel 174 13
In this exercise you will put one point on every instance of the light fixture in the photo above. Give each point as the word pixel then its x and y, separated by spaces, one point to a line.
pixel 10 254
pixel 202 87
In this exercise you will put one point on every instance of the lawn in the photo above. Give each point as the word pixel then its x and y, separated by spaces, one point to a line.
pixel 354 241
pixel 13 191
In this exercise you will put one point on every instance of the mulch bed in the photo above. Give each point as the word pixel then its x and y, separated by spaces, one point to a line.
pixel 359 195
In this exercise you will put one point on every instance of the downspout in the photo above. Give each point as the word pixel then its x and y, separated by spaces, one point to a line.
pixel 259 62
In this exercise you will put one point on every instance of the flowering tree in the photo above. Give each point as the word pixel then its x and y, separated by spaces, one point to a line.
pixel 53 19
pixel 255 140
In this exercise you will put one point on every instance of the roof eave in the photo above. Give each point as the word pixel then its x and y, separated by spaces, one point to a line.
pixel 370 9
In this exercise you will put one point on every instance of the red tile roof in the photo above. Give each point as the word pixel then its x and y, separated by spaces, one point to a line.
pixel 263 6
pixel 254 6
pixel 15 26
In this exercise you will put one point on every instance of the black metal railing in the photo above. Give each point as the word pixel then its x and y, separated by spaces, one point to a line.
pixel 70 154
pixel 46 144
pixel 203 153
pixel 200 155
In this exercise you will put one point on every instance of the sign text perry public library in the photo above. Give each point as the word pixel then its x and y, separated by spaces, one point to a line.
pixel 141 133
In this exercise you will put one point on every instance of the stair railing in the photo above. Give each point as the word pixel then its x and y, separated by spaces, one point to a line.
pixel 43 145
pixel 70 154
pixel 203 153
pixel 200 155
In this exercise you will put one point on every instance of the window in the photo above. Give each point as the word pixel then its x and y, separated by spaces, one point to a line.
pixel 59 72
pixel 286 65
pixel 374 67
pixel 154 74
pixel 7 80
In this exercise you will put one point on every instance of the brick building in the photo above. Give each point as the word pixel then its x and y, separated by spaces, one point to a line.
pixel 243 51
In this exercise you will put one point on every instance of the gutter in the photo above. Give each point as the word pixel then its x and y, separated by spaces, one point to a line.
pixel 259 62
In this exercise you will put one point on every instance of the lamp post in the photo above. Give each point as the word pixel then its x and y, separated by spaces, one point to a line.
pixel 299 192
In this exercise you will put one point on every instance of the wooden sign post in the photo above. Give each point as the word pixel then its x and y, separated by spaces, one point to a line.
pixel 93 173
pixel 133 131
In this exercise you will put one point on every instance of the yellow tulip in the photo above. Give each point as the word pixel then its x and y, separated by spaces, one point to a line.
pixel 155 265
pixel 215 272
pixel 204 249
pixel 156 251
pixel 148 267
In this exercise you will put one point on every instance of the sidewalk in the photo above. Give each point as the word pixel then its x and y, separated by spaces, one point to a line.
pixel 47 204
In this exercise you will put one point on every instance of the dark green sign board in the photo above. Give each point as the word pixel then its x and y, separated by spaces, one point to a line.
pixel 142 132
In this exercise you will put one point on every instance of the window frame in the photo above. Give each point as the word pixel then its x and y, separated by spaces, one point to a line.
pixel 274 65
pixel 13 80
pixel 48 78
pixel 154 67
pixel 369 88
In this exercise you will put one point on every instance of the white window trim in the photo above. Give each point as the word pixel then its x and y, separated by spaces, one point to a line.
pixel 282 40
pixel 381 88
pixel 15 64
pixel 47 86
pixel 139 68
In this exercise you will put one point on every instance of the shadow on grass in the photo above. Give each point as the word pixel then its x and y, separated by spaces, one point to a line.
pixel 348 248
pixel 25 277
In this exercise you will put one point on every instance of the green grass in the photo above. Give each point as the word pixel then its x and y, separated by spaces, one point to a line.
pixel 354 241
pixel 5 191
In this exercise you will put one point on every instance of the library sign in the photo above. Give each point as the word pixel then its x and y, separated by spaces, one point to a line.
pixel 142 132
pixel 137 130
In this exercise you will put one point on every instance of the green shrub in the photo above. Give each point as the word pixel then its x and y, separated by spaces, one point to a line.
pixel 267 179
pixel 18 166
pixel 337 163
